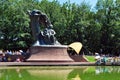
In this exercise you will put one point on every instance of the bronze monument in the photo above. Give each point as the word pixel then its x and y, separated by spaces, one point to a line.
pixel 46 47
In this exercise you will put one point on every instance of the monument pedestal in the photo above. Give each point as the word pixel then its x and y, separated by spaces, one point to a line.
pixel 52 53
pixel 49 53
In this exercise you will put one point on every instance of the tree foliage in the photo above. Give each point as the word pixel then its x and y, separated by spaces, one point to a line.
pixel 97 30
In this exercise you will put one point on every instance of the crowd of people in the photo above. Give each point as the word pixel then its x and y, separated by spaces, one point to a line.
pixel 12 56
pixel 103 59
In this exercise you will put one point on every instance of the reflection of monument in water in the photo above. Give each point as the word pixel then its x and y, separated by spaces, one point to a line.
pixel 50 74
pixel 59 73
pixel 46 47
pixel 38 73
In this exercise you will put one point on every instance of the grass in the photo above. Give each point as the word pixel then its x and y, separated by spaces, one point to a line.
pixel 90 58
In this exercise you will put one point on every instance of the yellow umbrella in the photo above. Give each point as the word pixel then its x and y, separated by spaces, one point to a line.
pixel 77 46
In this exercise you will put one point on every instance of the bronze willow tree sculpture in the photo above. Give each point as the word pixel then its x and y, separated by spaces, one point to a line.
pixel 45 36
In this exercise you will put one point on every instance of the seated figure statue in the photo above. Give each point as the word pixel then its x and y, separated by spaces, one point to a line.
pixel 47 35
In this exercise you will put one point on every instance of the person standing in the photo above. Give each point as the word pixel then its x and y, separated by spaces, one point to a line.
pixel 97 59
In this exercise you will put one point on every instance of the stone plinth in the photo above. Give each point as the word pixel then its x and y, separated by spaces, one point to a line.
pixel 53 53
pixel 49 53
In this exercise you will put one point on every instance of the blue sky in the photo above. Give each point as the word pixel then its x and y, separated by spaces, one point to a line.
pixel 91 2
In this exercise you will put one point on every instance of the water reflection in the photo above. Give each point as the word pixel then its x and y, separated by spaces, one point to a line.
pixel 100 70
pixel 61 73
pixel 103 69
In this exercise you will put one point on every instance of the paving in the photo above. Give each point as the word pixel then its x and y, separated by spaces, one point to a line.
pixel 46 64
pixel 54 63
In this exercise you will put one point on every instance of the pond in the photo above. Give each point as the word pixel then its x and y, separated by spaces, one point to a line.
pixel 60 73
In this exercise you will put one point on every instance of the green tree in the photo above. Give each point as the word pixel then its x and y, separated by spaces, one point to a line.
pixel 107 16
pixel 96 30
pixel 14 25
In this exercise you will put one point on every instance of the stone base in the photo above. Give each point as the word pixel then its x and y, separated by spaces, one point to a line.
pixel 52 53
